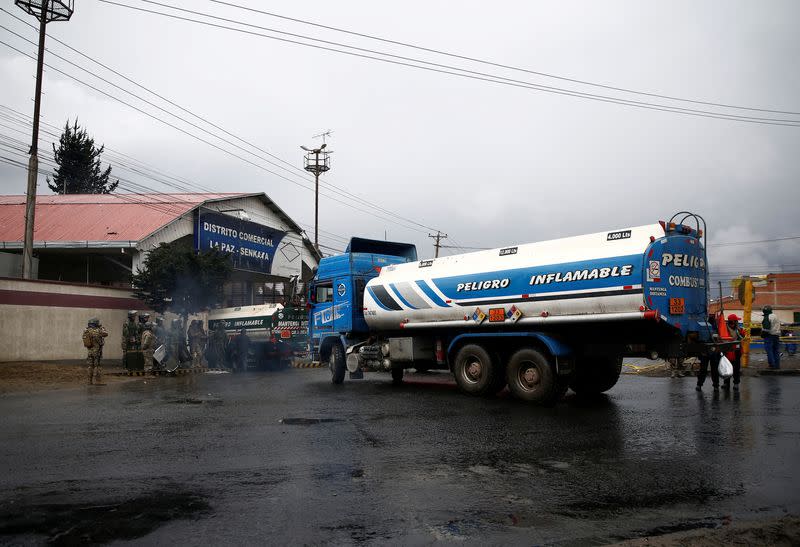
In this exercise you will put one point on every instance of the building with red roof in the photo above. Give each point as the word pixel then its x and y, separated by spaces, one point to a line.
pixel 102 238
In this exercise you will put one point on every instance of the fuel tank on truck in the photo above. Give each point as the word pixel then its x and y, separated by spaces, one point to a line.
pixel 626 274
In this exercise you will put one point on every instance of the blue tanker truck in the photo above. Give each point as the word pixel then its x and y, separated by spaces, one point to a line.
pixel 539 318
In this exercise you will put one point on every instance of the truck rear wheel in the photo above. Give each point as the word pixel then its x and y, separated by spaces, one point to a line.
pixel 531 377
pixel 336 362
pixel 596 375
pixel 475 371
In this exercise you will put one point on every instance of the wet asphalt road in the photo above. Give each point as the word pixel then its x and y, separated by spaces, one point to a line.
pixel 288 458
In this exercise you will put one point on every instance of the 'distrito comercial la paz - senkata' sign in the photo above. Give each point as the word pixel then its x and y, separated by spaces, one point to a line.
pixel 251 246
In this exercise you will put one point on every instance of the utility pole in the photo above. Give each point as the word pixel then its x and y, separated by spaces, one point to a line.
pixel 439 235
pixel 317 162
pixel 45 11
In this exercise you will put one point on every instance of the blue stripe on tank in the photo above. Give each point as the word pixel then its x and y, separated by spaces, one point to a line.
pixel 429 292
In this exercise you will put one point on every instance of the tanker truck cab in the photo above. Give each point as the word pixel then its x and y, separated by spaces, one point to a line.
pixel 538 318
pixel 336 297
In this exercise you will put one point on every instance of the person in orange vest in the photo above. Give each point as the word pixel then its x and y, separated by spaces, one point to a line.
pixel 735 356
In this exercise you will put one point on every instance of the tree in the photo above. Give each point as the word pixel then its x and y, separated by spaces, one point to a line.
pixel 177 278
pixel 79 170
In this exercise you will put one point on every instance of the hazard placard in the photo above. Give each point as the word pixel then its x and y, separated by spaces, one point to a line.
pixel 676 306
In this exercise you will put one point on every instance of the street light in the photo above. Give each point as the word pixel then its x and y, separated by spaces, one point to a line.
pixel 317 162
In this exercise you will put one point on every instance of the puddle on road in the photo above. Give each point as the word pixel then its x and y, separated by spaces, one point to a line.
pixel 200 400
pixel 102 522
pixel 307 421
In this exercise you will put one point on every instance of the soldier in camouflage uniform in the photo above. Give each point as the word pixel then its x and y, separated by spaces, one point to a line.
pixel 197 342
pixel 144 319
pixel 176 344
pixel 148 345
pixel 131 339
pixel 160 332
pixel 219 345
pixel 93 340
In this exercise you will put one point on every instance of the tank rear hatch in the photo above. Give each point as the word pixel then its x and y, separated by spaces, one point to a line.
pixel 675 281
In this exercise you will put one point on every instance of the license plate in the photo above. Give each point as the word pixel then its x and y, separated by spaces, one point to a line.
pixel 676 306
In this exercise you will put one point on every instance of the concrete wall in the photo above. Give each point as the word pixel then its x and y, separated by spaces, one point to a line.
pixel 44 320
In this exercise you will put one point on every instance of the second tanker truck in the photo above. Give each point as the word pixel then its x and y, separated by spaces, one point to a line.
pixel 539 318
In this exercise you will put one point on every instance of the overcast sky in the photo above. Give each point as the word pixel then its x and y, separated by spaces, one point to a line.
pixel 488 164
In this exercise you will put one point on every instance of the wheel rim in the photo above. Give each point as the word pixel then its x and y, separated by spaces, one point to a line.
pixel 473 370
pixel 529 378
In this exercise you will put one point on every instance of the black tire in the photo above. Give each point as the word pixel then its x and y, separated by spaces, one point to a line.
pixel 475 371
pixel 531 377
pixel 596 375
pixel 336 363
pixel 397 375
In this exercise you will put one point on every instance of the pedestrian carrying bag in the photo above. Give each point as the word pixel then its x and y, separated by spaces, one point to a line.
pixel 725 366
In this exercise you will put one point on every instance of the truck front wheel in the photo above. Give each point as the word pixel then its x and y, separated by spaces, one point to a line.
pixel 531 378
pixel 336 362
pixel 596 375
pixel 475 371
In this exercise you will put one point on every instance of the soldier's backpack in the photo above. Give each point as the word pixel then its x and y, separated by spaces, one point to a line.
pixel 87 339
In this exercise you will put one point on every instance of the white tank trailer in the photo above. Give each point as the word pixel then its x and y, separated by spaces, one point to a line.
pixel 539 318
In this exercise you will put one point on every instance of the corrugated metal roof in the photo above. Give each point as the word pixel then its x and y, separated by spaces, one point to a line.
pixel 98 217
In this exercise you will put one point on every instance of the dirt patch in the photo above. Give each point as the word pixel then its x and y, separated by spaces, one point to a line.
pixel 33 376
pixel 774 531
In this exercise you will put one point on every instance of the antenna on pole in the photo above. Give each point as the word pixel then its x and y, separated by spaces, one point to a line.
pixel 327 133
pixel 439 235
pixel 317 161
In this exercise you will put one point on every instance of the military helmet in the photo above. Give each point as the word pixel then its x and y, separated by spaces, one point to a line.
pixel 149 326
pixel 131 313
pixel 94 322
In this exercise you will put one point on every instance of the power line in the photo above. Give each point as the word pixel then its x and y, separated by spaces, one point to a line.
pixel 345 203
pixel 464 73
pixel 110 152
pixel 205 120
pixel 500 65
pixel 117 164
pixel 133 187
pixel 526 83
pixel 736 243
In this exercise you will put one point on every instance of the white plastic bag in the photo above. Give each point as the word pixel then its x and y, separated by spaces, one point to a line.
pixel 725 367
